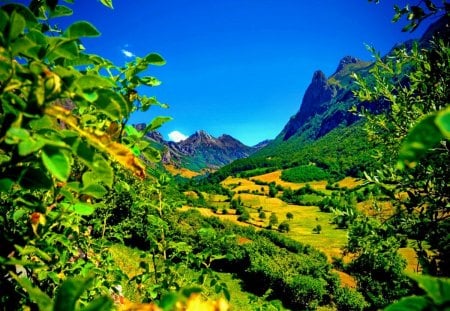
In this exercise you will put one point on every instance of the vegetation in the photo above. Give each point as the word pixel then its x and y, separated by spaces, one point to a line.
pixel 304 173
pixel 80 192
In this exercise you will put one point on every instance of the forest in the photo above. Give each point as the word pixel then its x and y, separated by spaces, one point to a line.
pixel 90 219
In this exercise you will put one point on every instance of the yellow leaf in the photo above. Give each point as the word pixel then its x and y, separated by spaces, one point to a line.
pixel 100 140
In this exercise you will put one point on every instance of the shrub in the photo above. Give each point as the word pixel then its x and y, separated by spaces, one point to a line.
pixel 245 216
pixel 347 299
pixel 317 229
pixel 284 227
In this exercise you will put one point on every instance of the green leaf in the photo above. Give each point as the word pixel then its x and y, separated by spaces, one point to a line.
pixel 83 209
pixel 150 81
pixel 4 158
pixel 40 298
pixel 443 122
pixel 25 12
pixel 101 173
pixel 67 49
pixel 81 29
pixel 413 303
pixel 100 304
pixel 19 213
pixel 90 82
pixel 421 138
pixel 151 154
pixel 69 292
pixel 107 3
pixel 17 25
pixel 154 59
pixel 6 184
pixel 156 123
pixel 44 122
pixel 57 162
pixel 16 134
pixel 3 21
pixel 112 104
pixel 29 146
pixel 22 46
pixel 61 10
pixel 438 289
pixel 95 190
pixel 132 131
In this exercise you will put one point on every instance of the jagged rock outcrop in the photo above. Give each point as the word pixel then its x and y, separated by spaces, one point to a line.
pixel 344 62
pixel 318 93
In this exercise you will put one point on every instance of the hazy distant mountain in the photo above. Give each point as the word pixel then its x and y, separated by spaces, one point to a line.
pixel 201 150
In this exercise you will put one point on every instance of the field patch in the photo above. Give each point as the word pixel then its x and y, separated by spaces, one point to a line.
pixel 276 178
pixel 184 172
pixel 350 182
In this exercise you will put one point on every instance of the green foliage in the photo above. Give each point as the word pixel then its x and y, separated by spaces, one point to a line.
pixel 412 137
pixel 349 299
pixel 377 266
pixel 436 297
pixel 317 229
pixel 273 220
pixel 289 216
pixel 272 190
pixel 304 173
pixel 416 14
pixel 284 227
pixel 63 116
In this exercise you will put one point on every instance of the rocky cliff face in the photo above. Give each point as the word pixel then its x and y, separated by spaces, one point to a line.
pixel 321 102
pixel 318 93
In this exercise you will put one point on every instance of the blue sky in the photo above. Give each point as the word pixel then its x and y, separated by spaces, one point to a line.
pixel 238 67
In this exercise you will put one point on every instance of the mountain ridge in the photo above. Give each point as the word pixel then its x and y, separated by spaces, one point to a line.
pixel 201 151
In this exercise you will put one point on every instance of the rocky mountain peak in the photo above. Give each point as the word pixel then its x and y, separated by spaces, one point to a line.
pixel 346 60
pixel 318 93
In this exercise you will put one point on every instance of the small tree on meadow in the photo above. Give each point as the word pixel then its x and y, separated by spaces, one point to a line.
pixel 273 220
pixel 284 227
pixel 262 215
pixel 289 216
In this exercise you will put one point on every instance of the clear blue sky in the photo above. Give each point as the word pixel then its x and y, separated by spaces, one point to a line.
pixel 238 67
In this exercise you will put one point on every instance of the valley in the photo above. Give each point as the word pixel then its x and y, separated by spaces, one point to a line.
pixel 346 208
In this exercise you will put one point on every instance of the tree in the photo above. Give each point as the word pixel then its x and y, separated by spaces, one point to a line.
pixel 412 137
pixel 273 220
pixel 272 190
pixel 289 216
pixel 64 133
pixel 317 229
pixel 284 227
pixel 262 215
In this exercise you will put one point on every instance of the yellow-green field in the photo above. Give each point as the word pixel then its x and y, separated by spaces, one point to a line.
pixel 184 172
pixel 330 240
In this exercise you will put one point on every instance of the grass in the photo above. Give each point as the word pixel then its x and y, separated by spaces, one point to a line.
pixel 184 172
pixel 349 182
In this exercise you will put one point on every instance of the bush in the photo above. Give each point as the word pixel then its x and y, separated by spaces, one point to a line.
pixel 347 299
pixel 284 227
pixel 245 216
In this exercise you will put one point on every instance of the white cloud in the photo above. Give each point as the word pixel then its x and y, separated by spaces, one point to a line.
pixel 127 53
pixel 177 136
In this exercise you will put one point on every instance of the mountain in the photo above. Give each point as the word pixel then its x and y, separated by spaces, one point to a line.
pixel 201 150
pixel 330 98
pixel 323 131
